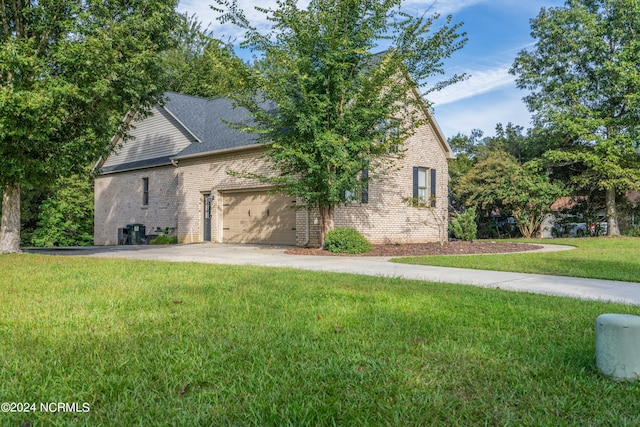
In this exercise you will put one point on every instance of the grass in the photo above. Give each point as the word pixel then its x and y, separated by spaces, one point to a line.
pixel 152 343
pixel 615 258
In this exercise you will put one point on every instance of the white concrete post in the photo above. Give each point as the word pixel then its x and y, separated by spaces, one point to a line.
pixel 618 346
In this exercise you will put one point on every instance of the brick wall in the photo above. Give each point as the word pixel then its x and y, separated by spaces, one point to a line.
pixel 386 218
pixel 311 220
pixel 176 197
pixel 118 202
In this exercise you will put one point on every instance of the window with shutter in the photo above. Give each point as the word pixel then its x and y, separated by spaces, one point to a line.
pixel 359 195
pixel 364 197
pixel 424 186
pixel 432 196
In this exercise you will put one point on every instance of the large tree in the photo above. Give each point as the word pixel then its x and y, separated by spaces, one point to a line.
pixel 585 76
pixel 69 71
pixel 200 65
pixel 326 106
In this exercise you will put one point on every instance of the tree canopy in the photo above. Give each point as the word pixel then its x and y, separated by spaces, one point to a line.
pixel 69 71
pixel 500 184
pixel 199 64
pixel 336 107
pixel 585 74
pixel 474 148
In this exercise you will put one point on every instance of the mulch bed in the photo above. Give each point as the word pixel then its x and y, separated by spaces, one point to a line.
pixel 418 249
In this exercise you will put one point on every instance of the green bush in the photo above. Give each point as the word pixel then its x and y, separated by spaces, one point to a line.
pixel 463 225
pixel 346 240
pixel 634 231
pixel 66 217
pixel 164 240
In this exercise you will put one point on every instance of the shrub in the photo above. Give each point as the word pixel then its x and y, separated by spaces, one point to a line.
pixel 346 240
pixel 634 231
pixel 164 240
pixel 463 225
pixel 66 217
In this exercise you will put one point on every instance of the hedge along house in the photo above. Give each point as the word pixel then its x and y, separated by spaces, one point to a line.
pixel 174 173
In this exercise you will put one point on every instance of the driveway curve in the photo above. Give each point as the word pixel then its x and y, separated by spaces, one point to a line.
pixel 274 256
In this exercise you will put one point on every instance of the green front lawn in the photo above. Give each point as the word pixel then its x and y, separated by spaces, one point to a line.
pixel 598 258
pixel 152 343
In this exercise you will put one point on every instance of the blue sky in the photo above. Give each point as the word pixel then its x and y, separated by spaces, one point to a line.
pixel 497 30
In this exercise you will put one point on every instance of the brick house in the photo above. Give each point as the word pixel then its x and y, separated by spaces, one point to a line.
pixel 173 173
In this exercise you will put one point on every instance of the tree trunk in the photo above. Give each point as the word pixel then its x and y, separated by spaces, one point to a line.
pixel 10 225
pixel 326 222
pixel 612 213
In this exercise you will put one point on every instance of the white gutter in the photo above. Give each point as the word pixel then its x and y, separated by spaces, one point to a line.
pixel 215 152
pixel 136 168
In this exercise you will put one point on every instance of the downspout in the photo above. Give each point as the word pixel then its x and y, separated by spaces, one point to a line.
pixel 307 235
pixel 175 164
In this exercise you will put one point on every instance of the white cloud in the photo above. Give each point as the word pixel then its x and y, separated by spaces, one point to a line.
pixel 207 16
pixel 229 31
pixel 443 7
pixel 480 82
pixel 483 112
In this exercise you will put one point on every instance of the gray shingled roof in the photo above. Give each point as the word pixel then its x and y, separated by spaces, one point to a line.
pixel 202 118
pixel 205 119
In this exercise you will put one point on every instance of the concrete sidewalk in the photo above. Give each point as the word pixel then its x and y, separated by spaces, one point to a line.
pixel 273 256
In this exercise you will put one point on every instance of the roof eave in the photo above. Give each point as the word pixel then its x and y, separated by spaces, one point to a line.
pixel 136 168
pixel 217 152
pixel 436 127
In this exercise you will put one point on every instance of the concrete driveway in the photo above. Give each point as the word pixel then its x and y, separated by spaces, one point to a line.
pixel 274 256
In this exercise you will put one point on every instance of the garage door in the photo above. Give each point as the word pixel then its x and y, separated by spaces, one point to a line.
pixel 258 217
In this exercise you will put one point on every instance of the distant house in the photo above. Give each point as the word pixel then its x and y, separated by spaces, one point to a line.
pixel 173 174
pixel 560 220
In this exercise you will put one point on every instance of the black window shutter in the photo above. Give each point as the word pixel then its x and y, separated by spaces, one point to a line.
pixel 365 185
pixel 433 188
pixel 415 183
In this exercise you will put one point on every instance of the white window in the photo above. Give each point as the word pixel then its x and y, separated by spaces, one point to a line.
pixel 424 186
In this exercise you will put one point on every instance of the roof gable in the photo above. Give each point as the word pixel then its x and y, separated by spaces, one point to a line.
pixel 154 140
pixel 184 125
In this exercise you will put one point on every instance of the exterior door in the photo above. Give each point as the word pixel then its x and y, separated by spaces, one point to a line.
pixel 206 220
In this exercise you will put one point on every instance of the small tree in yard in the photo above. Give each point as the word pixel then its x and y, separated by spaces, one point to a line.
pixel 500 183
pixel 338 108
pixel 69 71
